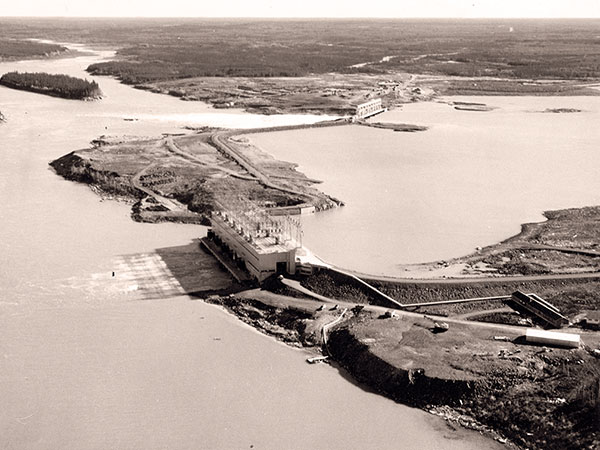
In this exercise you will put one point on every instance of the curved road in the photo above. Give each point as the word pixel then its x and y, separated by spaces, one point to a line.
pixel 217 140
pixel 283 301
pixel 174 148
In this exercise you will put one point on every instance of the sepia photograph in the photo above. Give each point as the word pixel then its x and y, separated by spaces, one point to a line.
pixel 322 225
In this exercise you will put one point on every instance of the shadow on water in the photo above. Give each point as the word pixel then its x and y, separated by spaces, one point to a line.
pixel 174 271
pixel 196 270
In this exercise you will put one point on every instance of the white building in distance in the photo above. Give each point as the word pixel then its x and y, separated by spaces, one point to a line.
pixel 369 108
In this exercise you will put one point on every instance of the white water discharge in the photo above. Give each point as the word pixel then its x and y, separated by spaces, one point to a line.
pixel 87 363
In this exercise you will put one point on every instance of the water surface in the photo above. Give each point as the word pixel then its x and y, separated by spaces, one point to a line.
pixel 470 180
pixel 88 362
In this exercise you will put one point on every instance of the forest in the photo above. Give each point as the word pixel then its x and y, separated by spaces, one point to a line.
pixel 254 48
pixel 56 85
pixel 11 49
pixel 150 50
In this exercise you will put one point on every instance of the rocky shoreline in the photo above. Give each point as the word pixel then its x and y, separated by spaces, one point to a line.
pixel 567 242
pixel 534 397
pixel 482 385
pixel 185 178
pixel 480 378
pixel 465 374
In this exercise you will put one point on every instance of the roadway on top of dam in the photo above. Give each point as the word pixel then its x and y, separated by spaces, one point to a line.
pixel 474 280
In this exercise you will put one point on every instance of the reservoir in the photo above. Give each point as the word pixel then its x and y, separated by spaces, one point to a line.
pixel 88 362
pixel 469 181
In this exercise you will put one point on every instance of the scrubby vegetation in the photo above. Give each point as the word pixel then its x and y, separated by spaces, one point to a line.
pixel 152 51
pixel 57 85
pixel 486 86
pixel 188 169
pixel 19 49
pixel 185 49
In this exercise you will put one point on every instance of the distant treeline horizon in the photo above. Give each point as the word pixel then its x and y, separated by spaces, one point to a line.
pixel 153 49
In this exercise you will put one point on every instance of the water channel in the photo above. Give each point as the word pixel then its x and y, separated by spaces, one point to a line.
pixel 87 363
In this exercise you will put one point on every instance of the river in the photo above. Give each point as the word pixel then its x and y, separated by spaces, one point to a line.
pixel 87 363
pixel 469 181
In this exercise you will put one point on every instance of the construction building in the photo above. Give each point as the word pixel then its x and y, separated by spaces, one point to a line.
pixel 369 109
pixel 258 243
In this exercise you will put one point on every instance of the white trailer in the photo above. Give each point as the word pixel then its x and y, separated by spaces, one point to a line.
pixel 554 338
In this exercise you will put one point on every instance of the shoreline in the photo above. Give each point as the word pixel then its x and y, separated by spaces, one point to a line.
pixel 257 310
pixel 487 261
pixel 408 89
pixel 412 376
pixel 224 166
pixel 360 345
pixel 375 360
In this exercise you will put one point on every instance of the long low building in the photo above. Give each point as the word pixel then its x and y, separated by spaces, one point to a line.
pixel 553 338
pixel 369 108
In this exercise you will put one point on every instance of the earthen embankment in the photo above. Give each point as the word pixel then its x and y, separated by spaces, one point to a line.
pixel 409 386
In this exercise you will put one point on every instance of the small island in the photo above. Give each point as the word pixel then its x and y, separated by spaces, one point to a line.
pixel 62 86
pixel 562 110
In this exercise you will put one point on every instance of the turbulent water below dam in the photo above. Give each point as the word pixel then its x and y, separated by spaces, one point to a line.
pixel 99 347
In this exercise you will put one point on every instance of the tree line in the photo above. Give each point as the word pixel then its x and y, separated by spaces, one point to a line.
pixel 57 85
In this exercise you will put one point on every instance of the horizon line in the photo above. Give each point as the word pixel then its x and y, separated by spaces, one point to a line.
pixel 300 18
